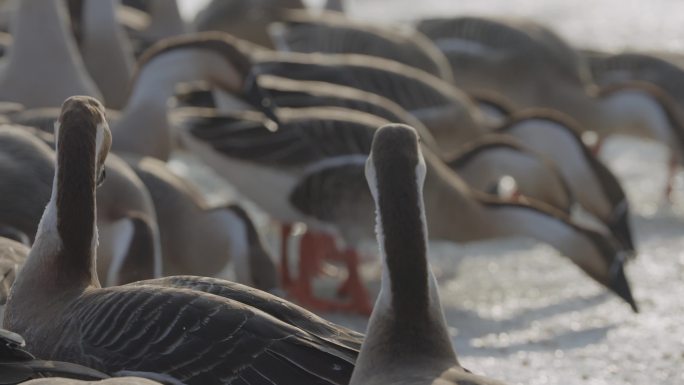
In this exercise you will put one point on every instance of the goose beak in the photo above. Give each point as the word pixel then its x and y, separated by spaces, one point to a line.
pixel 619 283
pixel 258 97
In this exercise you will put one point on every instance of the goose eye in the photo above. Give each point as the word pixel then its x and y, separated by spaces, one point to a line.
pixel 101 177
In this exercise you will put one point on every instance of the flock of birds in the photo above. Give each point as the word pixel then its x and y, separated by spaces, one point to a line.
pixel 458 129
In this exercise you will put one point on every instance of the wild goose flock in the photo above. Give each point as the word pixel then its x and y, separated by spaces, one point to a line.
pixel 458 129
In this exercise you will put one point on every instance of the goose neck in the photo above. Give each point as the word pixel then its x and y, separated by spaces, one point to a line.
pixel 106 50
pixel 165 20
pixel 408 320
pixel 61 263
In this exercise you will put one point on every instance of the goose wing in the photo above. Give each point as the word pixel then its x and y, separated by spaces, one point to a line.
pixel 303 137
pixel 625 67
pixel 277 307
pixel 409 87
pixel 196 338
pixel 337 192
pixel 337 34
pixel 17 364
pixel 462 38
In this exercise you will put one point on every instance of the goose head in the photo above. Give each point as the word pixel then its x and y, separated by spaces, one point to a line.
pixel 594 186
pixel 598 254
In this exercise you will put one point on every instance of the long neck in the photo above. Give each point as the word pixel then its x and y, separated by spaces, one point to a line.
pixel 107 52
pixel 166 20
pixel 144 128
pixel 408 320
pixel 43 57
pixel 62 258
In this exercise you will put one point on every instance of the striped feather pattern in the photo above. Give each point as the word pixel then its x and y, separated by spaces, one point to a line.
pixel 519 39
pixel 338 193
pixel 297 142
pixel 616 69
pixel 274 306
pixel 335 34
pixel 195 337
pixel 412 89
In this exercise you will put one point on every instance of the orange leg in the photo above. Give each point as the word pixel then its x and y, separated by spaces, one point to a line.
pixel 353 287
pixel 314 248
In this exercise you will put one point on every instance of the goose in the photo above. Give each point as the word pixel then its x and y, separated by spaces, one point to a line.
pixel 154 20
pixel 69 317
pixel 12 255
pixel 502 155
pixel 246 19
pixel 481 162
pixel 165 20
pixel 201 240
pixel 307 171
pixel 533 71
pixel 407 341
pixel 516 58
pixel 593 185
pixel 129 243
pixel 55 61
pixel 226 63
pixel 446 111
pixel 106 50
pixel 153 84
pixel 610 69
pixel 212 56
pixel 495 108
pixel 486 161
pixel 332 32
pixel 284 92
